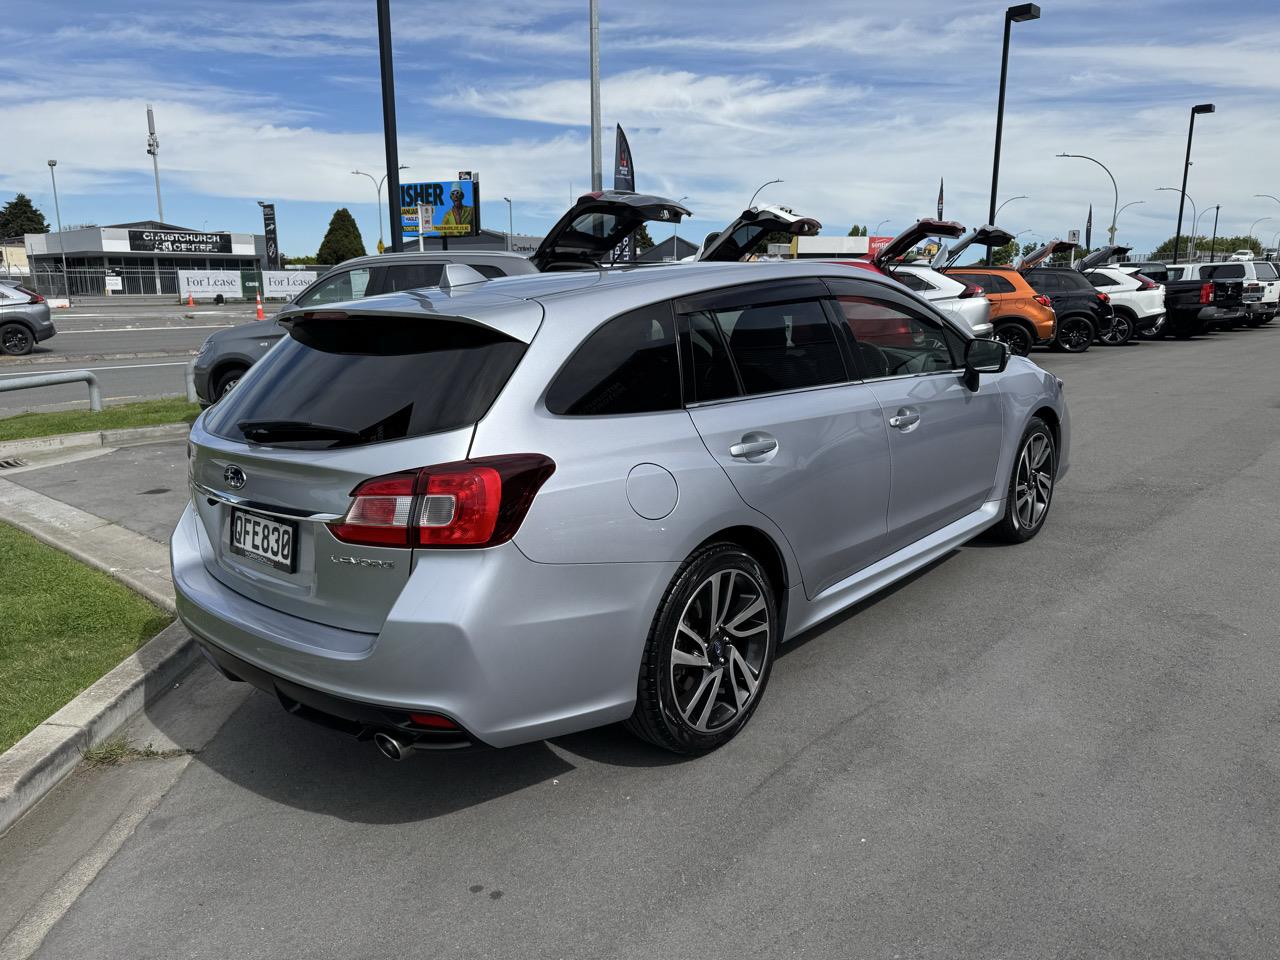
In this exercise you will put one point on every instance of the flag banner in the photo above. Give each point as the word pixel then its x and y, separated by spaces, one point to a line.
pixel 624 177
pixel 1088 230
pixel 939 198
pixel 269 230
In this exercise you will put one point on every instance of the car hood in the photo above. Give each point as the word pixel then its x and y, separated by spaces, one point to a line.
pixel 597 223
pixel 909 237
pixel 1100 256
pixel 1037 257
pixel 748 232
pixel 987 235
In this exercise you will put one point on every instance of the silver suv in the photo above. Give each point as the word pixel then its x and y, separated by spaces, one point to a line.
pixel 500 511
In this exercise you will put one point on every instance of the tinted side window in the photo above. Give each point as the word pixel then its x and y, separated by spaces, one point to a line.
pixel 782 346
pixel 629 365
pixel 411 276
pixel 1102 279
pixel 709 372
pixel 1228 271
pixel 990 282
pixel 488 270
pixel 1043 282
pixel 348 285
pixel 1265 271
pixel 892 341
pixel 911 281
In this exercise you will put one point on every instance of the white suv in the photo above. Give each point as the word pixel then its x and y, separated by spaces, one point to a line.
pixel 1138 301
pixel 1261 285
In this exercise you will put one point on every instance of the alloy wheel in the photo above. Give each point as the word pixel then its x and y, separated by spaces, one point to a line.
pixel 1075 334
pixel 1015 337
pixel 1033 487
pixel 718 650
pixel 1120 333
pixel 15 341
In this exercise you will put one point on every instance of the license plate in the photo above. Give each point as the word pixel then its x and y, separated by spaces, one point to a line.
pixel 265 539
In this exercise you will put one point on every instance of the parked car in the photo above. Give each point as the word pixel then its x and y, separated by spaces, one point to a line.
pixel 1083 313
pixel 1225 308
pixel 1020 317
pixel 583 238
pixel 1261 286
pixel 24 319
pixel 965 301
pixel 529 506
pixel 1245 254
pixel 1136 300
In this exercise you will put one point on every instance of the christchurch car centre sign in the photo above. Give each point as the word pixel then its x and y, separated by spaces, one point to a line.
pixel 179 241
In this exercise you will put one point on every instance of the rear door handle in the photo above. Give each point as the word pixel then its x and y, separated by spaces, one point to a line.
pixel 905 417
pixel 753 448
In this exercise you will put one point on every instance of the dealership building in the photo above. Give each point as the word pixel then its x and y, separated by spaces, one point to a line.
pixel 139 258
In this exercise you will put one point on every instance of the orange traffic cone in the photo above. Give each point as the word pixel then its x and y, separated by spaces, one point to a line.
pixel 191 301
pixel 261 315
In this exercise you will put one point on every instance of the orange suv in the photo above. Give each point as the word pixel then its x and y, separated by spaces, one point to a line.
pixel 1021 317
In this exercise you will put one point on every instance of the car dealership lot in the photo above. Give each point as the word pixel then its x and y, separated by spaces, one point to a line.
pixel 1061 748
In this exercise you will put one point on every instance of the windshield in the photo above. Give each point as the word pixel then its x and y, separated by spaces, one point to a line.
pixel 367 380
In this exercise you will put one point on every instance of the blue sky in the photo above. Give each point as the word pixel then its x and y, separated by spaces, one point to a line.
pixel 858 106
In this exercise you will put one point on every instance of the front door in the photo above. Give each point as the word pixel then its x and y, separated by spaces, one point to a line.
pixel 944 439
pixel 771 398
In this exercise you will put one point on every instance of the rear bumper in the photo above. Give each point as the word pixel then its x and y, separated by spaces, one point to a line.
pixel 510 649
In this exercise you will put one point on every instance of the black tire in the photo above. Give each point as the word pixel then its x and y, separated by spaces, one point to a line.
pixel 226 382
pixel 660 717
pixel 1121 331
pixel 1017 337
pixel 16 340
pixel 1074 335
pixel 1019 525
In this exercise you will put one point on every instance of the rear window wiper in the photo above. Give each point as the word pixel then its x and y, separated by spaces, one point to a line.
pixel 264 431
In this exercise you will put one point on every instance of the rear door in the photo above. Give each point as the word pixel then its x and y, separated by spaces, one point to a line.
pixel 773 402
pixel 944 439
pixel 593 227
pixel 748 233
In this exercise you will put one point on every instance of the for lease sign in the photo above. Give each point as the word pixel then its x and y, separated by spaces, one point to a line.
pixel 286 283
pixel 209 283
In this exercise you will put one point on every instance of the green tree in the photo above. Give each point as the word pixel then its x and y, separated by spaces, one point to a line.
pixel 1222 248
pixel 342 240
pixel 308 260
pixel 20 216
pixel 642 239
pixel 1002 255
pixel 857 231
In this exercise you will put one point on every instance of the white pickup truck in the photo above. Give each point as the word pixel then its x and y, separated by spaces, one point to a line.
pixel 1261 286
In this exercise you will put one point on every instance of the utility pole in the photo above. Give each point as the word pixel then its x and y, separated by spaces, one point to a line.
pixel 153 148
pixel 597 179
pixel 1213 244
pixel 57 210
pixel 389 124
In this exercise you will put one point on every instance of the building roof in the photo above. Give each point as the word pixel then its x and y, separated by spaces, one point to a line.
pixel 676 248
pixel 153 225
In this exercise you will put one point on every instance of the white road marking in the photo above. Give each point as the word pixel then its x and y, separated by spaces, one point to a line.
pixel 193 326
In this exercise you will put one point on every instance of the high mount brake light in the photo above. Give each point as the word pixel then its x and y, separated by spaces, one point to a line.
pixel 470 503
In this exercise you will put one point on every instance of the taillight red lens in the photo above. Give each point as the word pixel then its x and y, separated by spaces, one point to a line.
pixel 1041 299
pixel 432 721
pixel 1105 298
pixel 1206 293
pixel 471 503
pixel 1144 283
pixel 971 290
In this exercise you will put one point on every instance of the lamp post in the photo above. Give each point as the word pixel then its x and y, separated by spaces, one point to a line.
pixel 1177 243
pixel 153 148
pixel 879 225
pixel 66 278
pixel 1115 205
pixel 1021 196
pixel 1213 244
pixel 377 185
pixel 751 202
pixel 1017 14
pixel 594 14
pixel 1128 205
pixel 675 232
pixel 1186 168
pixel 510 221
pixel 390 142
pixel 1255 224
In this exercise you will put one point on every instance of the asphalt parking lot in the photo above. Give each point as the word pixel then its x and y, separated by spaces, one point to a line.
pixel 1061 749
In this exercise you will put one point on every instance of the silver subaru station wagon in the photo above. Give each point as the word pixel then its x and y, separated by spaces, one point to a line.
pixel 503 510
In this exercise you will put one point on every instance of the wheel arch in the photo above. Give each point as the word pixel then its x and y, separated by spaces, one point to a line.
pixel 767 551
pixel 1020 321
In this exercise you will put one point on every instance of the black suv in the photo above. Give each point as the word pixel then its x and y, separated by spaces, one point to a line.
pixel 1083 312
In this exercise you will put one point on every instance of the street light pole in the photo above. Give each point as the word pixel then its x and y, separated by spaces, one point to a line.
pixel 1255 224
pixel 153 148
pixel 1186 168
pixel 1128 205
pixel 389 138
pixel 597 179
pixel 510 221
pixel 1213 244
pixel 1018 14
pixel 1021 196
pixel 1177 244
pixel 879 225
pixel 1115 206
pixel 752 201
pixel 66 277
pixel 377 186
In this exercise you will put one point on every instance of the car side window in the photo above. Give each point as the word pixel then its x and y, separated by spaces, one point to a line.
pixel 488 270
pixel 348 285
pixel 709 373
pixel 411 276
pixel 1101 279
pixel 1227 271
pixel 911 281
pixel 629 365
pixel 892 341
pixel 781 346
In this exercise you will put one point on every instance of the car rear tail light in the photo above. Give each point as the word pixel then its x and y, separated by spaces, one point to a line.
pixel 32 296
pixel 1206 293
pixel 1041 299
pixel 471 503
pixel 971 290
pixel 1105 298
pixel 432 721
pixel 1144 283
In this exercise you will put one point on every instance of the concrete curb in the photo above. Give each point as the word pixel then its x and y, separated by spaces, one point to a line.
pixel 123 437
pixel 96 357
pixel 38 762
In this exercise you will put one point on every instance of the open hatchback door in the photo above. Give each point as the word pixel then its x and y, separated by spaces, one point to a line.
pixel 1100 257
pixel 748 233
pixel 1036 257
pixel 985 236
pixel 586 236
pixel 909 237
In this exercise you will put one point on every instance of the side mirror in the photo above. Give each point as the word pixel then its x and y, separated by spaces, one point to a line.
pixel 983 356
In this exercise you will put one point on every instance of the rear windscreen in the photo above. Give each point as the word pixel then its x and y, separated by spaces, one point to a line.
pixel 372 379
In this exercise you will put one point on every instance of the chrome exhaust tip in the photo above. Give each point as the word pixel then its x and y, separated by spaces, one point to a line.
pixel 393 748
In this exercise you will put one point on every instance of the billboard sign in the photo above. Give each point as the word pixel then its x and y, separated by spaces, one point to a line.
pixel 876 244
pixel 269 232
pixel 286 283
pixel 178 241
pixel 454 206
pixel 209 283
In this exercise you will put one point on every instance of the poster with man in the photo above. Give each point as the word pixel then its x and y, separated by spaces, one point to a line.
pixel 454 204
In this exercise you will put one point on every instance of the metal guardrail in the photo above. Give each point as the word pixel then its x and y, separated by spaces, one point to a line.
pixel 8 384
